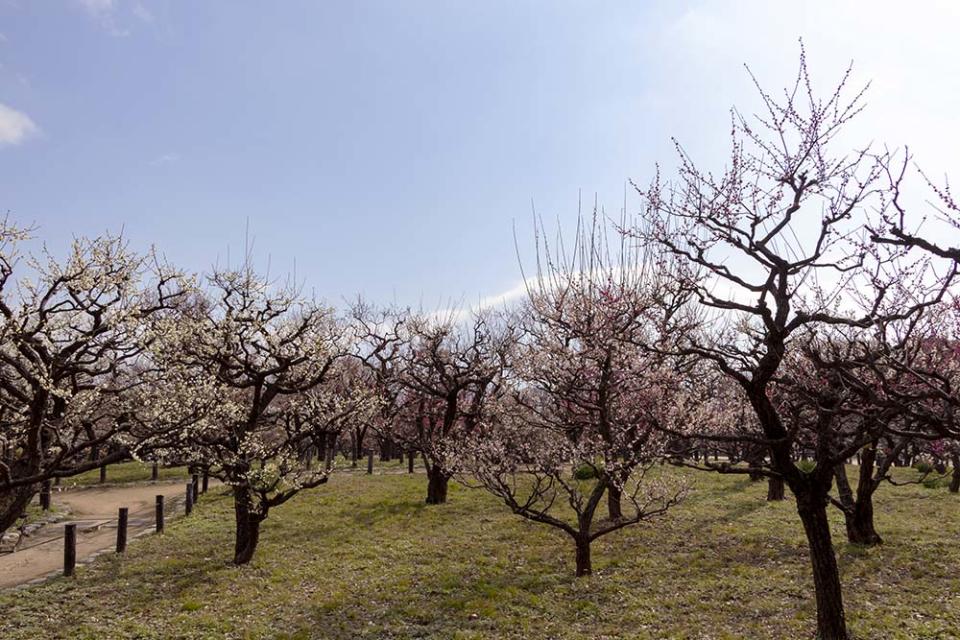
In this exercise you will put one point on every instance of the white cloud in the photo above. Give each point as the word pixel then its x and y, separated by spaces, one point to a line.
pixel 908 51
pixel 142 12
pixel 98 7
pixel 15 126
pixel 108 14
pixel 167 158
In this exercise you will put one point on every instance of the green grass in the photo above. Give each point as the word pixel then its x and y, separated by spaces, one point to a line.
pixel 362 557
pixel 126 472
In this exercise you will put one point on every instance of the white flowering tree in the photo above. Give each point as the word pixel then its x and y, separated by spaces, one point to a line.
pixel 77 388
pixel 381 336
pixel 269 360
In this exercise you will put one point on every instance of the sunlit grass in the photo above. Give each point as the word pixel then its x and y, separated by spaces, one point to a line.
pixel 126 472
pixel 363 557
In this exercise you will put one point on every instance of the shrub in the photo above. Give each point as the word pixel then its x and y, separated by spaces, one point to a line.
pixel 585 472
pixel 807 466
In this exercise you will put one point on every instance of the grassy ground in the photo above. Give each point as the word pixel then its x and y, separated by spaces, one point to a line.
pixel 363 558
pixel 126 472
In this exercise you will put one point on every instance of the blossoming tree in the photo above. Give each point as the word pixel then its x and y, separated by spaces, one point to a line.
pixel 268 359
pixel 77 388
pixel 774 247
pixel 586 395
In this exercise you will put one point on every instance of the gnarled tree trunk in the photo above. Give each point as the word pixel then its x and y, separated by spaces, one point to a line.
pixel 775 490
pixel 831 620
pixel 614 508
pixel 858 509
pixel 437 481
pixel 247 527
pixel 584 566
pixel 13 503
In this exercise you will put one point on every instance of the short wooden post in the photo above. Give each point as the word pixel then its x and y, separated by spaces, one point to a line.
pixel 56 481
pixel 69 549
pixel 159 511
pixel 45 496
pixel 188 505
pixel 328 463
pixel 103 473
pixel 370 462
pixel 122 529
pixel 206 481
pixel 196 486
pixel 410 461
pixel 155 472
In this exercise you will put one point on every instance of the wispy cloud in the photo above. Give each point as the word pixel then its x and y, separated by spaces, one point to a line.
pixel 107 12
pixel 167 158
pixel 142 12
pixel 15 126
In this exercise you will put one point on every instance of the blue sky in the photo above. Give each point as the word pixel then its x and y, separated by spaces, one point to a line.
pixel 388 148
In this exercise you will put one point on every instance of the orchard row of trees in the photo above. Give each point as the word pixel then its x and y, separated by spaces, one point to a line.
pixel 776 319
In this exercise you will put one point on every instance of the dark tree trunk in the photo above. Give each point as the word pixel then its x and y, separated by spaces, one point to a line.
pixel 754 457
pixel 584 566
pixel 12 505
pixel 437 481
pixel 775 489
pixel 955 478
pixel 614 496
pixel 247 528
pixel 860 528
pixel 831 621
pixel 858 510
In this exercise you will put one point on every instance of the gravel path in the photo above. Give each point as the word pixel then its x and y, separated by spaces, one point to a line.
pixel 94 511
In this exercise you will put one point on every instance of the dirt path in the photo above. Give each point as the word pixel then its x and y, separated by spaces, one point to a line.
pixel 94 511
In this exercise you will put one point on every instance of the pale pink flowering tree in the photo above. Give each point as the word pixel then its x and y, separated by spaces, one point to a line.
pixel 586 395
pixel 451 372
pixel 774 246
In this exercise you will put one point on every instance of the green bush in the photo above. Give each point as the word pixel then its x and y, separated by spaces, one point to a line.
pixel 936 482
pixel 807 466
pixel 585 472
pixel 923 467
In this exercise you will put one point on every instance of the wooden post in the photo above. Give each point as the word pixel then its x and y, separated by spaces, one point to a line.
pixel 69 549
pixel 103 473
pixel 410 461
pixel 45 496
pixel 196 486
pixel 159 511
pixel 370 462
pixel 188 505
pixel 155 472
pixel 328 463
pixel 122 529
pixel 206 481
pixel 56 481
